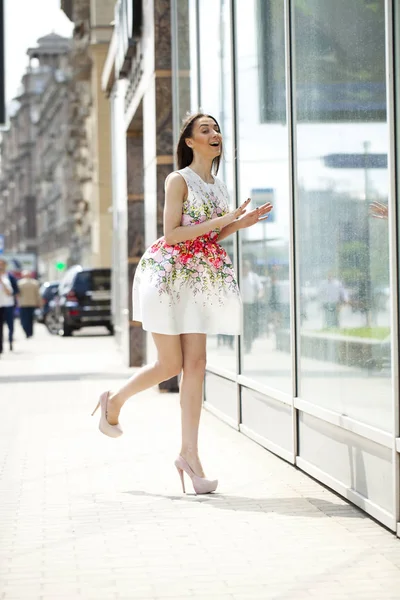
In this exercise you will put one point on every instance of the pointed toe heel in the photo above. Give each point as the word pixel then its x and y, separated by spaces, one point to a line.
pixel 201 485
pixel 105 427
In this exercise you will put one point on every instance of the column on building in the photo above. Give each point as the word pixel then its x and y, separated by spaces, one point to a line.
pixel 100 139
pixel 158 132
pixel 136 238
pixel 90 113
pixel 149 144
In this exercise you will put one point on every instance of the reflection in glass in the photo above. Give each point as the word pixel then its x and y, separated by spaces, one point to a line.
pixel 342 142
pixel 252 292
pixel 263 176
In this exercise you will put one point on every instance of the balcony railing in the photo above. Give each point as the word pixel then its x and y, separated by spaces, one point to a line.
pixel 128 17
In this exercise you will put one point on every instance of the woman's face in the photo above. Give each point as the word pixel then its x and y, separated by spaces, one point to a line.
pixel 206 138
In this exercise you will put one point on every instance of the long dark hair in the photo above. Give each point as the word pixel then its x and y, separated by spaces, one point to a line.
pixel 184 154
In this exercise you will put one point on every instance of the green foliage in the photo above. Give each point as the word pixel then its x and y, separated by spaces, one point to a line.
pixel 353 261
pixel 303 6
pixel 376 333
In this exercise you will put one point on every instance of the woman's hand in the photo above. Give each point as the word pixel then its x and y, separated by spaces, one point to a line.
pixel 254 216
pixel 378 210
pixel 234 214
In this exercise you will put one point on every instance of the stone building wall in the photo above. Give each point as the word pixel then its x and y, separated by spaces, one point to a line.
pixel 90 144
pixel 148 128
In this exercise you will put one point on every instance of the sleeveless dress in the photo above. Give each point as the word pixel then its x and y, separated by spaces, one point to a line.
pixel 190 287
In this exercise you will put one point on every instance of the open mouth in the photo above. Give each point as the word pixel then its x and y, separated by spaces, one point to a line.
pixel 215 144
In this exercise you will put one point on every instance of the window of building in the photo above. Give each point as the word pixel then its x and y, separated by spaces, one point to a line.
pixel 263 176
pixel 343 253
pixel 339 58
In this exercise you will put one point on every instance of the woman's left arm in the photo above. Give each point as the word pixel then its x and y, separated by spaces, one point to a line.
pixel 228 230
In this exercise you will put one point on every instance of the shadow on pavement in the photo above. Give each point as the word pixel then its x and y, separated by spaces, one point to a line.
pixel 295 507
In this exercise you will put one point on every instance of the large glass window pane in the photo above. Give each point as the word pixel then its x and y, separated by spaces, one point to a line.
pixel 396 16
pixel 342 144
pixel 263 176
pixel 216 100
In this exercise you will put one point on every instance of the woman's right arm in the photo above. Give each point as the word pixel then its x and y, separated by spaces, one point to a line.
pixel 174 232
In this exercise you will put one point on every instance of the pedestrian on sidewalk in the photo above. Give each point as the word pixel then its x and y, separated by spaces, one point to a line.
pixel 9 309
pixel 6 298
pixel 333 295
pixel 252 292
pixel 28 299
pixel 185 287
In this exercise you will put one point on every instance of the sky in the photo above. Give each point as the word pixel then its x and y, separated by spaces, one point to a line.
pixel 25 22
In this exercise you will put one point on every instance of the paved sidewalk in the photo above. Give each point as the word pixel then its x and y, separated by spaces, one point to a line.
pixel 84 516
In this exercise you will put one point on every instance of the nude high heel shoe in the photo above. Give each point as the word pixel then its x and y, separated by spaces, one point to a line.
pixel 201 485
pixel 113 431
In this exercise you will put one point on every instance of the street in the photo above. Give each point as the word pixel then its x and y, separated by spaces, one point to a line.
pixel 83 516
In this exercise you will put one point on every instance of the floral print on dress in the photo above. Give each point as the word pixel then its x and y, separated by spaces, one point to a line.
pixel 200 265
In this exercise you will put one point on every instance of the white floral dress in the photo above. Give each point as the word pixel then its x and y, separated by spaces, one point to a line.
pixel 190 287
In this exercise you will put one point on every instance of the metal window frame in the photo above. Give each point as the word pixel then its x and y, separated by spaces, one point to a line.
pixel 291 116
pixel 392 27
pixel 198 54
pixel 236 187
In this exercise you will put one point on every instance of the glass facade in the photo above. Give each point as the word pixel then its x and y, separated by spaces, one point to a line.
pixel 302 92
pixel 263 169
pixel 342 148
pixel 215 50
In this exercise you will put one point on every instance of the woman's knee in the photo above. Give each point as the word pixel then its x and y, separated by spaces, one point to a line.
pixel 195 365
pixel 170 368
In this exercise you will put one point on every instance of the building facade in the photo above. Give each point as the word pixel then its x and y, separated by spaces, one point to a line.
pixel 90 141
pixel 307 97
pixel 52 163
pixel 56 155
pixel 22 167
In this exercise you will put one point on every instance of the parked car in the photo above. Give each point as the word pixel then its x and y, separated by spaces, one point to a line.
pixel 47 291
pixel 83 300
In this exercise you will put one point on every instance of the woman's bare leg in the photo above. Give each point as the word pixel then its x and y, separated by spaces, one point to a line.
pixel 191 391
pixel 167 365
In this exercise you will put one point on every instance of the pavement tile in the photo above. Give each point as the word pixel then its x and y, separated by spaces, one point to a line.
pixel 88 517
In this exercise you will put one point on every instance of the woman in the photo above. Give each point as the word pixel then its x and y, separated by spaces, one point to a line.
pixel 185 287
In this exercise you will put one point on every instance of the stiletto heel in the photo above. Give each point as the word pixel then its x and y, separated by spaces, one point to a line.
pixel 180 471
pixel 105 427
pixel 97 406
pixel 201 485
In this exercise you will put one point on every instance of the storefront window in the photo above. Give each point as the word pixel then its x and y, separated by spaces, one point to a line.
pixel 343 253
pixel 263 176
pixel 216 100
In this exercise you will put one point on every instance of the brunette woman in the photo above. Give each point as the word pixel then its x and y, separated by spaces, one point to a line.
pixel 185 287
